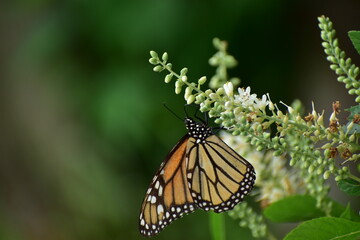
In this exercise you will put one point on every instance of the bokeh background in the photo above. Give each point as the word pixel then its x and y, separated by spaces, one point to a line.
pixel 82 126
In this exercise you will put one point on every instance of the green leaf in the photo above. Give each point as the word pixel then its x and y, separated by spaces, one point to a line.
pixel 356 127
pixel 338 210
pixel 355 39
pixel 353 110
pixel 293 209
pixel 326 228
pixel 349 186
pixel 346 214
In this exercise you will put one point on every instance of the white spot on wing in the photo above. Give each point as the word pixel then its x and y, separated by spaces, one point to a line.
pixel 160 191
pixel 160 209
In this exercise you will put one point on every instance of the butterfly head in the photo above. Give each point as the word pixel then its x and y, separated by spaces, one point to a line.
pixel 197 130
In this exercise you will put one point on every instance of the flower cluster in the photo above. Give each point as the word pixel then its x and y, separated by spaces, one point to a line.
pixel 291 152
pixel 347 72
pixel 249 218
pixel 274 180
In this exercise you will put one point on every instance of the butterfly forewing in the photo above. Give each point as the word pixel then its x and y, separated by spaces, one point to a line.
pixel 218 177
pixel 168 196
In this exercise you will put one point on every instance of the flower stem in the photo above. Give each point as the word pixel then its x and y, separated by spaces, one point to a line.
pixel 354 178
pixel 217 226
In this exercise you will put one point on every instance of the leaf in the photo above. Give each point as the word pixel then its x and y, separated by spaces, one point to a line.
pixel 353 110
pixel 349 186
pixel 326 228
pixel 346 214
pixel 355 39
pixel 338 210
pixel 293 209
pixel 356 127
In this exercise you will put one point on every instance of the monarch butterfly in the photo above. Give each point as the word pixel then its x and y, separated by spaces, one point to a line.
pixel 201 171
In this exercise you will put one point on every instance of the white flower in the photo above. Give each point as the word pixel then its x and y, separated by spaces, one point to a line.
pixel 229 89
pixel 261 103
pixel 246 99
pixel 228 105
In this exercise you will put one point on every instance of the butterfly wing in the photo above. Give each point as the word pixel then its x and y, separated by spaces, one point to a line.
pixel 218 177
pixel 168 196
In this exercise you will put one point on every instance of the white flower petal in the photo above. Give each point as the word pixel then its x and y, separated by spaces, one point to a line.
pixel 229 89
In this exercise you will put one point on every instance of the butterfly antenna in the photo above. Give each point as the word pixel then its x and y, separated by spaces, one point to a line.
pixel 197 109
pixel 173 112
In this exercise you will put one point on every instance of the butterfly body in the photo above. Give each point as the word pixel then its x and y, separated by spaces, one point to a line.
pixel 201 171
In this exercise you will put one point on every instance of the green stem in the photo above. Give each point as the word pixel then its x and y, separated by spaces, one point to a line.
pixel 354 177
pixel 217 226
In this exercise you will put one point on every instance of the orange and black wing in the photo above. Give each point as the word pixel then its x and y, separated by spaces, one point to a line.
pixel 168 196
pixel 218 177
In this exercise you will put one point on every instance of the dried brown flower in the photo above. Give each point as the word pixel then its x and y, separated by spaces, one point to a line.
pixel 356 119
pixel 346 154
pixel 333 126
pixel 309 117
pixel 336 107
pixel 333 152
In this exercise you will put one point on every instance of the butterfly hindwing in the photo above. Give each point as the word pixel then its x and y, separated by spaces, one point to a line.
pixel 218 177
pixel 168 196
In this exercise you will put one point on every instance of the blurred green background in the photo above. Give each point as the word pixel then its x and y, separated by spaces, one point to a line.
pixel 82 124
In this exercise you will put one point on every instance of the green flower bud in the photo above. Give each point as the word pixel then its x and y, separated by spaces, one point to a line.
pixel 208 91
pixel 220 91
pixel 352 137
pixel 352 91
pixel 325 44
pixel 178 84
pixel 266 135
pixel 168 77
pixel 320 170
pixel 202 80
pixel 338 178
pixel 183 71
pixel 326 174
pixel 213 96
pixel 350 126
pixel 292 162
pixel 154 61
pixel 154 54
pixel 356 84
pixel 218 121
pixel 190 99
pixel 259 148
pixel 278 152
pixel 259 128
pixel 236 132
pixel 169 65
pixel 177 90
pixel 165 57
pixel 158 68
